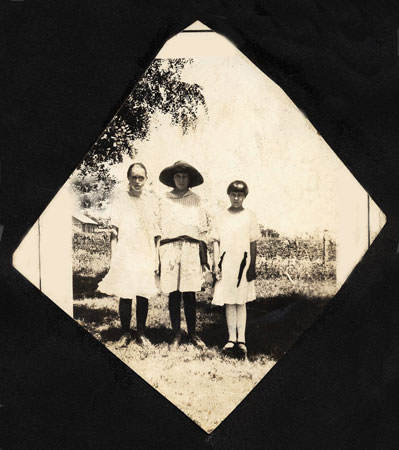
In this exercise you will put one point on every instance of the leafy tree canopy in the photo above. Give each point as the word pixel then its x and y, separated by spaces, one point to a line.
pixel 160 90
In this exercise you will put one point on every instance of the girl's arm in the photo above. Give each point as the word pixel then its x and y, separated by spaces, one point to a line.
pixel 216 255
pixel 251 272
pixel 157 240
pixel 216 258
pixel 157 211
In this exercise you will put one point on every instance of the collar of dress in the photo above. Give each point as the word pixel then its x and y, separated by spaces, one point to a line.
pixel 142 195
pixel 170 194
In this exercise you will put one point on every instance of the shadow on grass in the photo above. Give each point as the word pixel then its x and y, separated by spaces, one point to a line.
pixel 273 324
pixel 94 316
pixel 85 286
pixel 155 335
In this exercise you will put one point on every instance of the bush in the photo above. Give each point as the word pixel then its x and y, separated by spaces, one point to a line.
pixel 91 253
pixel 92 242
pixel 299 259
pixel 310 249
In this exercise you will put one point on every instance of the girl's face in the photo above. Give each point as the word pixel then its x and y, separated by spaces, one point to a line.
pixel 236 199
pixel 182 180
pixel 137 179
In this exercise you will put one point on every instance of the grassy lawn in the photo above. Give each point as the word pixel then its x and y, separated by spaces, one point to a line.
pixel 204 384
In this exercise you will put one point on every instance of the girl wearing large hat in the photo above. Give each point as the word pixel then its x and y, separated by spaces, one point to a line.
pixel 183 226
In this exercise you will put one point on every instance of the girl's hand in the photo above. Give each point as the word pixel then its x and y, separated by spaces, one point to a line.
pixel 251 274
pixel 208 276
pixel 157 265
pixel 217 273
pixel 114 234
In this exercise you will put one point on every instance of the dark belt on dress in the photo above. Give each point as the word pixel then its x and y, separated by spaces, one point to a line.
pixel 177 239
pixel 203 250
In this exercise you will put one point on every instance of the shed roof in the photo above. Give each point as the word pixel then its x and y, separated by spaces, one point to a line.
pixel 84 219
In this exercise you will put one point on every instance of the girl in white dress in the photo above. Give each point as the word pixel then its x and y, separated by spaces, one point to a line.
pixel 134 258
pixel 234 234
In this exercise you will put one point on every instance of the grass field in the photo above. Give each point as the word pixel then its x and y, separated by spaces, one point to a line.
pixel 295 281
pixel 206 385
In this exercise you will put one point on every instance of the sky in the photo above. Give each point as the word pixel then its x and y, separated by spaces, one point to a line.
pixel 253 132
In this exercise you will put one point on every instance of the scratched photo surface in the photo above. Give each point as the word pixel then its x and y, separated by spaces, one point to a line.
pixel 203 102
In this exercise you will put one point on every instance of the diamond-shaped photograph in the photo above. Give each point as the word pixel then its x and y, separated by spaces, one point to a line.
pixel 204 231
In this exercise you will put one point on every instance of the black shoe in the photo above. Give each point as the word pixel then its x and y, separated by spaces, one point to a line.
pixel 197 341
pixel 142 340
pixel 125 340
pixel 229 348
pixel 242 350
pixel 175 344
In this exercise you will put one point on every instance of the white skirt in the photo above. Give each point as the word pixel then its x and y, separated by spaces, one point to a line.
pixel 132 271
pixel 233 288
pixel 180 267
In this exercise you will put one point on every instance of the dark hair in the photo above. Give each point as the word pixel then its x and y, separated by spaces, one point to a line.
pixel 238 186
pixel 136 164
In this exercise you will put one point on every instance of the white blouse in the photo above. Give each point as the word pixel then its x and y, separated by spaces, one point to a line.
pixel 182 216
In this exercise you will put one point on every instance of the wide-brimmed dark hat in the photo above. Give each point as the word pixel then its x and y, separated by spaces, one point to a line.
pixel 167 174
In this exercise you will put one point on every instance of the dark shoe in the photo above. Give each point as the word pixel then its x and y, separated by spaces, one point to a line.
pixel 143 340
pixel 228 348
pixel 242 350
pixel 174 345
pixel 125 340
pixel 197 341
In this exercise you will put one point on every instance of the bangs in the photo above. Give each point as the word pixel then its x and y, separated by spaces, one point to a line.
pixel 238 186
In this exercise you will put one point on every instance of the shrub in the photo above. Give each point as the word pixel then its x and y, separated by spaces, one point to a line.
pixel 299 259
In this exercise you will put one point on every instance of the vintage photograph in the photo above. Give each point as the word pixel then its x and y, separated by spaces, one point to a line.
pixel 210 226
pixel 204 238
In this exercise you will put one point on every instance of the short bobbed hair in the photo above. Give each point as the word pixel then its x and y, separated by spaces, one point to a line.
pixel 238 186
pixel 136 164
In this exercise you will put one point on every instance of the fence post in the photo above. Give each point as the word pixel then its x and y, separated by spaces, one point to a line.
pixel 325 248
pixel 44 256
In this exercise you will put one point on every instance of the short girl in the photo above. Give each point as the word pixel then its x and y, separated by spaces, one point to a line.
pixel 235 232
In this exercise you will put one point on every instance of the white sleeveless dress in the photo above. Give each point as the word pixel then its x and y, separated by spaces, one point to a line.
pixel 234 231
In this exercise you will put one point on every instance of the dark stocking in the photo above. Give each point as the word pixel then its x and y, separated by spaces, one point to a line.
pixel 125 313
pixel 174 310
pixel 141 314
pixel 190 309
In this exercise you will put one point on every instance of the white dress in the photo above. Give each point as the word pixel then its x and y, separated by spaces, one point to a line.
pixel 234 231
pixel 133 257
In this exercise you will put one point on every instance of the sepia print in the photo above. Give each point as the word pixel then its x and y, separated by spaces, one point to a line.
pixel 210 226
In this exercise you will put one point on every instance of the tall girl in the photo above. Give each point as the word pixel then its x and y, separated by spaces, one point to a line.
pixel 235 232
pixel 133 262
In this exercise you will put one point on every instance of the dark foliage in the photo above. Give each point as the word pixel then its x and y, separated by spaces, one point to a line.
pixel 160 90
